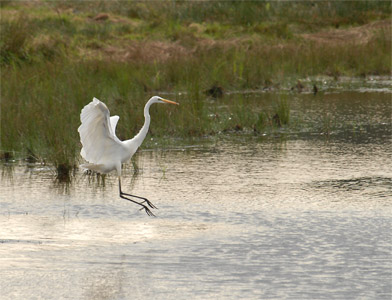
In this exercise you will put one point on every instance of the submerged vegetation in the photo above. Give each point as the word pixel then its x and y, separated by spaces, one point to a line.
pixel 56 56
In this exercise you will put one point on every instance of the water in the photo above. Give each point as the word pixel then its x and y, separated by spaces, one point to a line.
pixel 307 216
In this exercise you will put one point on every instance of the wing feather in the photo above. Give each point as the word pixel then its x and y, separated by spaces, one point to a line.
pixel 113 123
pixel 97 133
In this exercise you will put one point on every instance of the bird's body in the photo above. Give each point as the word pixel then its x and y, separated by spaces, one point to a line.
pixel 102 149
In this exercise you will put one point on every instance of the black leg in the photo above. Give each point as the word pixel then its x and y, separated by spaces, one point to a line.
pixel 148 211
pixel 144 199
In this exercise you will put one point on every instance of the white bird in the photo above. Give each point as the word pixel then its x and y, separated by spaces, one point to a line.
pixel 103 150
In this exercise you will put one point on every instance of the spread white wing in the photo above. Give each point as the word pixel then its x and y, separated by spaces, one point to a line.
pixel 97 133
pixel 113 123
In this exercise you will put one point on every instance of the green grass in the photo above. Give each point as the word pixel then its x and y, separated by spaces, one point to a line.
pixel 43 104
pixel 55 57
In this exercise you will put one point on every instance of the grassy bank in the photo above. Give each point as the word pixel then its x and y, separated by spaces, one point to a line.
pixel 240 44
pixel 56 56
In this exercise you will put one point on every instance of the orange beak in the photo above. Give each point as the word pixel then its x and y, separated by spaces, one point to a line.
pixel 170 102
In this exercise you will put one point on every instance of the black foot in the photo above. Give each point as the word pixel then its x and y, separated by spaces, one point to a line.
pixel 148 211
pixel 145 207
pixel 145 200
pixel 150 204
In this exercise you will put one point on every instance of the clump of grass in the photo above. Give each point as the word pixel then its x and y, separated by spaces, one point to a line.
pixel 261 123
pixel 282 115
pixel 63 172
pixel 6 156
pixel 274 30
pixel 14 37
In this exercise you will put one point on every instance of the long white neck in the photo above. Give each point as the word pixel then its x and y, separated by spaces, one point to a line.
pixel 139 138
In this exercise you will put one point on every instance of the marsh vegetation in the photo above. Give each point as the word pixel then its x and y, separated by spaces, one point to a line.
pixel 56 56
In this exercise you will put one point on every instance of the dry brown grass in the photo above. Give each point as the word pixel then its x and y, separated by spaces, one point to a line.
pixel 354 35
pixel 161 51
pixel 144 51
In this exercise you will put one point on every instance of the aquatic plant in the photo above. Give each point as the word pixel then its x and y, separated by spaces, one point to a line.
pixel 282 115
pixel 53 61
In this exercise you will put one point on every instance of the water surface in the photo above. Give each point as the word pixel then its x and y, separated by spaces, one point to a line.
pixel 303 216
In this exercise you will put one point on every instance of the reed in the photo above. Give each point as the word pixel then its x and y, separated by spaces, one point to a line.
pixel 54 61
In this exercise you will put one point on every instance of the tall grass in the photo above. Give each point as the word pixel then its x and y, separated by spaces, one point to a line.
pixel 54 62
pixel 41 107
pixel 312 14
pixel 14 37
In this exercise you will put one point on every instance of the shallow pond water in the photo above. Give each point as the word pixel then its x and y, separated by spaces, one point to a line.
pixel 307 216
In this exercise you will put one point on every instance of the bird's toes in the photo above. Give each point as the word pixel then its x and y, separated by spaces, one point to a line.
pixel 152 205
pixel 148 211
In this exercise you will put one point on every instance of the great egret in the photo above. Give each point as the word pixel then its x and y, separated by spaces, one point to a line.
pixel 103 150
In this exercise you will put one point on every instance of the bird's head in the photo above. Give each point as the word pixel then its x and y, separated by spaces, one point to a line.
pixel 157 99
